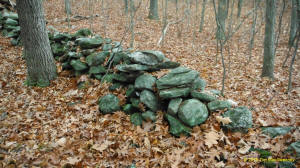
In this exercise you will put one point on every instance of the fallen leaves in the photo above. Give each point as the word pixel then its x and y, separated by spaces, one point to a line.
pixel 211 138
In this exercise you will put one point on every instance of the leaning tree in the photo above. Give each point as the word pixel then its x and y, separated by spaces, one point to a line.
pixel 40 63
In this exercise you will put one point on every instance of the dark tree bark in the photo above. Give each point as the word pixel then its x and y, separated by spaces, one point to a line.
pixel 40 63
pixel 153 13
pixel 269 42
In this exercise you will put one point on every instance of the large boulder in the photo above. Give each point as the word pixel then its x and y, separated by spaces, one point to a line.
pixel 192 112
pixel 149 99
pixel 147 57
pixel 218 105
pixel 174 106
pixel 109 104
pixel 174 93
pixel 176 127
pixel 145 81
pixel 88 43
pixel 241 119
pixel 177 77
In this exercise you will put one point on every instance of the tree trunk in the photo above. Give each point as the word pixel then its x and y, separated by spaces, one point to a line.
pixel 153 14
pixel 294 24
pixel 222 16
pixel 38 55
pixel 126 6
pixel 240 5
pixel 268 62
pixel 202 15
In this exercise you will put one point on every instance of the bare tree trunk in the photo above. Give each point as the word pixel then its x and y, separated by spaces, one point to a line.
pixel 268 62
pixel 38 55
pixel 279 25
pixel 68 11
pixel 131 4
pixel 202 15
pixel 126 6
pixel 253 29
pixel 153 13
pixel 240 5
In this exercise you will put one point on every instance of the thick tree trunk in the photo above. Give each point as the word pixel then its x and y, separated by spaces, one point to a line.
pixel 38 55
pixel 153 13
pixel 269 47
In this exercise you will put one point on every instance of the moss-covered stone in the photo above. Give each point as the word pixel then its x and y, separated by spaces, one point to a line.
pixel 177 128
pixel 136 119
pixel 192 112
pixel 109 104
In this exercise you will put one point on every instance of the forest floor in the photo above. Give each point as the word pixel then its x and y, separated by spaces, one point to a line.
pixel 49 127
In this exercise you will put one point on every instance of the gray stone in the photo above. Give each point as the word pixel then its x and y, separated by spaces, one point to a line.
pixel 294 148
pixel 147 57
pixel 58 37
pixel 218 105
pixel 276 131
pixel 97 70
pixel 149 99
pixel 149 116
pixel 10 15
pixel 78 65
pixel 158 54
pixel 11 22
pixel 58 49
pixel 136 119
pixel 96 58
pixel 88 43
pixel 145 81
pixel 109 104
pixel 106 47
pixel 174 93
pixel 241 119
pixel 202 96
pixel 192 112
pixel 176 127
pixel 174 106
pixel 132 67
pixel 176 79
pixel 88 52
pixel 83 33
pixel 199 84
pixel 167 65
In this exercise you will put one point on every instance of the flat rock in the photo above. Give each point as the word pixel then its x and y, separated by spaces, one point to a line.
pixel 174 93
pixel 218 105
pixel 132 67
pixel 202 96
pixel 177 77
pixel 276 131
pixel 89 43
pixel 192 112
pixel 78 65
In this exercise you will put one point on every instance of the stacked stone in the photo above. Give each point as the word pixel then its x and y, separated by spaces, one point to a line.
pixel 9 24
